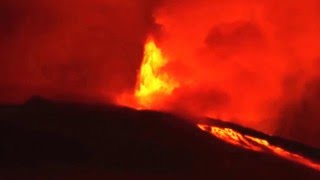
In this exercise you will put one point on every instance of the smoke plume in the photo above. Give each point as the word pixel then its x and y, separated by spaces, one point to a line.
pixel 246 61
pixel 252 62
pixel 82 48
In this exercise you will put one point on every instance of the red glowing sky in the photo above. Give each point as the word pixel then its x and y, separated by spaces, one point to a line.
pixel 254 62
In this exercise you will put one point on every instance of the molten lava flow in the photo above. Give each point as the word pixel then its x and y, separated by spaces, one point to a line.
pixel 230 136
pixel 152 83
pixel 256 144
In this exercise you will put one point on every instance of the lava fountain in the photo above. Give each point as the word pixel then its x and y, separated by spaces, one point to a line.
pixel 153 84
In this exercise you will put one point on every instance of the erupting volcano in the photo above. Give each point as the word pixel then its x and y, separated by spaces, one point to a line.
pixel 160 89
pixel 154 85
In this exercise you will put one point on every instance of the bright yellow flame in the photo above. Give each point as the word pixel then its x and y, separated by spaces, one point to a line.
pixel 152 82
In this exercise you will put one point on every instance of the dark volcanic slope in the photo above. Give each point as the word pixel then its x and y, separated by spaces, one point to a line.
pixel 42 140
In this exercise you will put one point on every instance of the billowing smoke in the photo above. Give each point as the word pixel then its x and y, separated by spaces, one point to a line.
pixel 247 61
pixel 80 49
pixel 253 62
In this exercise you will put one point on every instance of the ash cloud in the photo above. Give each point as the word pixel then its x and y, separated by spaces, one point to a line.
pixel 58 49
pixel 251 62
pixel 299 119
pixel 260 56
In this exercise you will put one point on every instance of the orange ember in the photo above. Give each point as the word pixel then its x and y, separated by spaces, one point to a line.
pixel 256 144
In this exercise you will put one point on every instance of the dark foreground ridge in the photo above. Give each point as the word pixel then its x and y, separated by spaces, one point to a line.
pixel 49 140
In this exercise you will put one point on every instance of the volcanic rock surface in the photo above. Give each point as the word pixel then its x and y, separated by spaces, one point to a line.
pixel 50 140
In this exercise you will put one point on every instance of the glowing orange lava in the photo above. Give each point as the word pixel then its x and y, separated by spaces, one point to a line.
pixel 230 136
pixel 256 144
pixel 153 84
